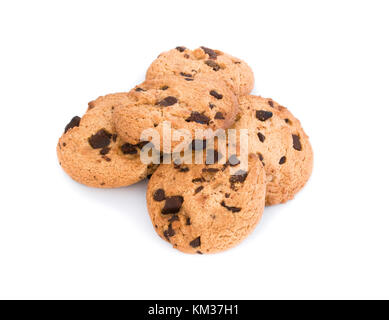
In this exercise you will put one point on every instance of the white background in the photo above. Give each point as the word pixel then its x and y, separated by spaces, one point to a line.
pixel 325 60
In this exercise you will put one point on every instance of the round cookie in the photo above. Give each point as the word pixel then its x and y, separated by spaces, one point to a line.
pixel 280 142
pixel 201 208
pixel 188 63
pixel 200 103
pixel 91 152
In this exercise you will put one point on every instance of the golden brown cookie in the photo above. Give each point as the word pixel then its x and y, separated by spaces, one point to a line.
pixel 188 63
pixel 91 152
pixel 200 103
pixel 201 208
pixel 278 139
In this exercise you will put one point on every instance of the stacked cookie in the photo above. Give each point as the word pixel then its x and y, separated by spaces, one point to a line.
pixel 198 206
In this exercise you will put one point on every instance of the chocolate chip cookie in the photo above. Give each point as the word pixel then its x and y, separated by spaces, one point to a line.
pixel 200 103
pixel 202 208
pixel 280 142
pixel 91 152
pixel 189 64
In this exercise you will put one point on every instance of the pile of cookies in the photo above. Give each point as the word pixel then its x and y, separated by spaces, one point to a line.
pixel 198 208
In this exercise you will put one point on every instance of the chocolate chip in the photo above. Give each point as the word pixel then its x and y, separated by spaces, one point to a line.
pixel 210 170
pixel 114 137
pixel 139 89
pixel 174 218
pixel 188 79
pixel 263 115
pixel 232 209
pixel 218 96
pixel 64 144
pixel 212 156
pixel 199 144
pixel 106 158
pixel 181 49
pixel 287 120
pixel 186 56
pixel 169 232
pixel 199 252
pixel 159 195
pixel 195 243
pixel 260 156
pixel 261 137
pixel 100 140
pixel 211 106
pixel 296 142
pixel 168 101
pixel 233 160
pixel 187 221
pixel 198 189
pixel 201 179
pixel 165 88
pixel 188 75
pixel 239 177
pixel 219 115
pixel 105 151
pixel 270 102
pixel 172 205
pixel 75 122
pixel 212 64
pixel 282 160
pixel 212 54
pixel 198 117
pixel 129 148
pixel 227 195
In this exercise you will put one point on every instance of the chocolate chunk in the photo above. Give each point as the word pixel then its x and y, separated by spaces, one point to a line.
pixel 270 102
pixel 219 115
pixel 233 209
pixel 159 195
pixel 282 160
pixel 263 115
pixel 218 96
pixel 181 49
pixel 174 218
pixel 212 54
pixel 296 142
pixel 187 221
pixel 139 89
pixel 188 75
pixel 172 205
pixel 233 160
pixel 129 148
pixel 165 88
pixel 198 189
pixel 105 151
pixel 75 122
pixel 199 144
pixel 261 137
pixel 168 101
pixel 195 243
pixel 212 64
pixel 239 177
pixel 198 117
pixel 100 140
pixel 169 232
pixel 211 106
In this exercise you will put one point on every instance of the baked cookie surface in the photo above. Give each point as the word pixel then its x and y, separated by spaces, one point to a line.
pixel 188 63
pixel 280 142
pixel 201 208
pixel 200 103
pixel 91 152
